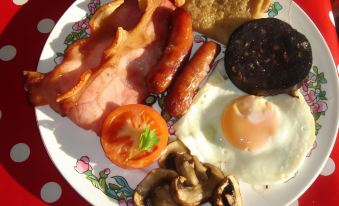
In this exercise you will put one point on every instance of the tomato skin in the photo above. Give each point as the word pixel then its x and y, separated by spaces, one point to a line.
pixel 121 133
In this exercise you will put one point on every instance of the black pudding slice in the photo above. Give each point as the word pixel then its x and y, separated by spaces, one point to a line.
pixel 268 57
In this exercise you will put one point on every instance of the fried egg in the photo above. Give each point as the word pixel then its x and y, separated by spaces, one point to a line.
pixel 260 140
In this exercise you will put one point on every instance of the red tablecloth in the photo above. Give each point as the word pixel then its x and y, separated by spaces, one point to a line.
pixel 25 25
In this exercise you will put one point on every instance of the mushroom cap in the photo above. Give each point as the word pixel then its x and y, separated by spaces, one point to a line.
pixel 167 157
pixel 200 169
pixel 152 180
pixel 162 197
pixel 227 193
pixel 186 181
pixel 185 194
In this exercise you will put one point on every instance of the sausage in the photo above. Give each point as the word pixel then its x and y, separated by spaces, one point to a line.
pixel 180 97
pixel 177 50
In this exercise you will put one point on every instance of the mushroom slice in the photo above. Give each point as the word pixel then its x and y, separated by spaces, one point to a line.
pixel 162 197
pixel 227 193
pixel 215 176
pixel 166 160
pixel 185 167
pixel 200 169
pixel 146 187
pixel 214 173
pixel 186 195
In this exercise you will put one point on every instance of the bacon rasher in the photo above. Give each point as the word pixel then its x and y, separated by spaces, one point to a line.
pixel 107 69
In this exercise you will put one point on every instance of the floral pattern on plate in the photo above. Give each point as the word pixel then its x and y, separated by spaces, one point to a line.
pixel 314 94
pixel 120 190
pixel 274 9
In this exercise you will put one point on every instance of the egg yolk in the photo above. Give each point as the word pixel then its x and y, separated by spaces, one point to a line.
pixel 249 122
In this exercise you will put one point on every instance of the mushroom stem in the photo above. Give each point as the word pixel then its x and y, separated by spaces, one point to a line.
pixel 192 184
pixel 168 156
pixel 186 195
pixel 185 167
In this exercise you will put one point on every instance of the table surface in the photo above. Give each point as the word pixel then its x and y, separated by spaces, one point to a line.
pixel 27 175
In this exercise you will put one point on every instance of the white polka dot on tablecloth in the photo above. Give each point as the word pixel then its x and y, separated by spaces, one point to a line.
pixel 45 25
pixel 50 192
pixel 328 168
pixel 20 152
pixel 294 203
pixel 7 52
pixel 330 15
pixel 20 2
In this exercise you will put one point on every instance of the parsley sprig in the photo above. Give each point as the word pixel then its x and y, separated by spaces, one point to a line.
pixel 148 139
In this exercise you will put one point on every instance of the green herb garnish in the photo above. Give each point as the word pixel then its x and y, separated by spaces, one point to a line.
pixel 148 139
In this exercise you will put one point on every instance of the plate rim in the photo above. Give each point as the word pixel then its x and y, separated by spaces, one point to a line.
pixel 335 134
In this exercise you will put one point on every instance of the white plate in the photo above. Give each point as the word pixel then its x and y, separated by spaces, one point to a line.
pixel 67 144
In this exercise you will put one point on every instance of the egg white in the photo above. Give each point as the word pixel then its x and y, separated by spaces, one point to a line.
pixel 276 162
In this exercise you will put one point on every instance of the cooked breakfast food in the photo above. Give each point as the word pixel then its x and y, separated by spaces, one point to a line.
pixel 157 181
pixel 260 140
pixel 115 75
pixel 227 193
pixel 82 56
pixel 267 57
pixel 218 19
pixel 137 47
pixel 176 52
pixel 183 180
pixel 181 94
pixel 134 136
pixel 166 160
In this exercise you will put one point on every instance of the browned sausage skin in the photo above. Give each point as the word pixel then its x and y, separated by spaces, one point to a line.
pixel 181 95
pixel 178 48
